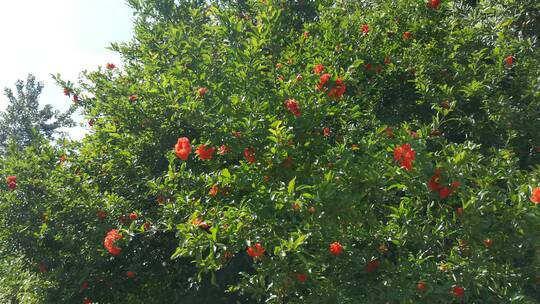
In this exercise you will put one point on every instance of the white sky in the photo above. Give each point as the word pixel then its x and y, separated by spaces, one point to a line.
pixel 46 37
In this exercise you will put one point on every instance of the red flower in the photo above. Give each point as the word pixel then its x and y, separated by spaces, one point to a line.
pixel 337 90
pixel 67 91
pixel 224 149
pixel 458 291
pixel 133 216
pixel 101 215
pixel 255 251
pixel 182 148
pixel 84 285
pixel 434 4
pixel 488 243
pixel 318 69
pixel 292 106
pixel 249 155
pixel 213 191
pixel 323 80
pixel 42 268
pixel 407 35
pixel 202 91
pixel 110 66
pixel 301 277
pixel 405 155
pixel 75 99
pixel 421 286
pixel 130 274
pixel 306 34
pixel 433 183
pixel 367 66
pixel 205 153
pixel 132 98
pixel 147 226
pixel 535 197
pixel 372 266
pixel 87 301
pixel 312 210
pixel 326 132
pixel 459 211
pixel 336 248
pixel 365 29
pixel 11 182
pixel 444 192
pixel 110 239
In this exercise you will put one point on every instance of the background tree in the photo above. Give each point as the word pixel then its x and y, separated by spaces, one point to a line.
pixel 23 122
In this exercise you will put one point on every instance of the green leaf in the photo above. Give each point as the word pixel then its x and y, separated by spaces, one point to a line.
pixel 226 174
pixel 290 188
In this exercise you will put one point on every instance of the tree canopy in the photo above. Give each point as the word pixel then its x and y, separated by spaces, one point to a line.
pixel 23 122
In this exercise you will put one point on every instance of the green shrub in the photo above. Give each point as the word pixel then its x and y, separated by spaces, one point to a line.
pixel 298 164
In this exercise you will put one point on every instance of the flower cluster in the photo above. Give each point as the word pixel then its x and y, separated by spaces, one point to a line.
pixel 372 266
pixel 444 191
pixel 336 88
pixel 202 91
pixel 249 155
pixel 319 68
pixel 255 251
pixel 213 190
pixel 335 248
pixel 11 182
pixel 535 197
pixel 204 152
pixel 182 148
pixel 101 215
pixel 434 4
pixel 224 149
pixel 112 236
pixel 405 155
pixel 365 29
pixel 293 107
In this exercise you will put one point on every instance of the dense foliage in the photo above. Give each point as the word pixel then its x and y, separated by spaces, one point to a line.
pixel 292 152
